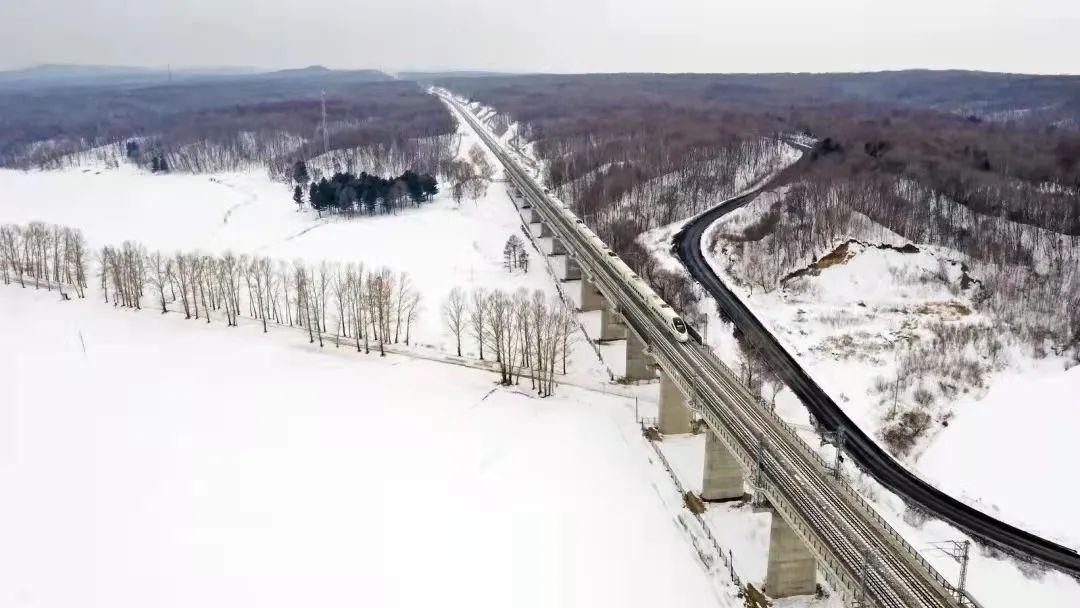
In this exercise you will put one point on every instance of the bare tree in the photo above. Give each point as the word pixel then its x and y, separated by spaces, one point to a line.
pixel 359 298
pixel 477 314
pixel 454 309
pixel 160 273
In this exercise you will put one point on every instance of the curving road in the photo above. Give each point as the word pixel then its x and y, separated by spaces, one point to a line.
pixel 861 448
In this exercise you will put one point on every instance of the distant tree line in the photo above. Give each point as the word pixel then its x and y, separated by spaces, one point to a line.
pixel 633 152
pixel 230 124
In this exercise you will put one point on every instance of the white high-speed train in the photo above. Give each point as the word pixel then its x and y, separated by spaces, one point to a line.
pixel 673 322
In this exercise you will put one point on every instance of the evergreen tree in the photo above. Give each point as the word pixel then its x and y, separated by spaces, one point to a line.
pixel 346 197
pixel 414 186
pixel 154 166
pixel 429 185
pixel 348 193
pixel 300 173
pixel 509 256
pixel 371 196
pixel 298 197
pixel 163 165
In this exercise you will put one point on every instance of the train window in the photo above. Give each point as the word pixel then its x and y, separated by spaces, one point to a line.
pixel 612 253
pixel 679 325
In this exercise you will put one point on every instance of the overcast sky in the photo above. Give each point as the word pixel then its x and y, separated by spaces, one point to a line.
pixel 1039 36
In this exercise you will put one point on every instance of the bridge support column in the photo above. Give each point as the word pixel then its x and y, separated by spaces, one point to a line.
pixel 674 416
pixel 591 299
pixel 723 475
pixel 557 247
pixel 792 569
pixel 611 328
pixel 639 365
pixel 571 272
pixel 522 200
pixel 532 216
pixel 545 231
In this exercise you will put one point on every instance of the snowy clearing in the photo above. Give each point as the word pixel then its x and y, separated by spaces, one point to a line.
pixel 168 468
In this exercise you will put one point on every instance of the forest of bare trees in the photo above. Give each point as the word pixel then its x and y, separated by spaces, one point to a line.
pixel 1027 277
pixel 631 152
pixel 233 123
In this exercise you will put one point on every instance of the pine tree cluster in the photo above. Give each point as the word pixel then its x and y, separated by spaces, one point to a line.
pixel 349 194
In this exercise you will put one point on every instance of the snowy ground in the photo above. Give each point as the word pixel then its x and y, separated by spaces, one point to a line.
pixel 167 468
pixel 845 323
pixel 441 245
pixel 861 299
pixel 148 461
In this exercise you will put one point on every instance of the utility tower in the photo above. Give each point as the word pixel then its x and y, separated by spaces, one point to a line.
pixel 325 132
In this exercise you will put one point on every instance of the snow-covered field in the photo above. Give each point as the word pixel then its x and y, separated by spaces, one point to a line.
pixel 1006 446
pixel 147 461
pixel 153 461
pixel 440 245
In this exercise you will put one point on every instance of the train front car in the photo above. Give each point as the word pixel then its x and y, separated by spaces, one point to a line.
pixel 678 329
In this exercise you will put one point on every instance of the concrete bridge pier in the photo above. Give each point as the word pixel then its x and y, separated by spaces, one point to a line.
pixel 792 569
pixel 639 365
pixel 557 247
pixel 533 216
pixel 591 298
pixel 723 475
pixel 571 271
pixel 674 416
pixel 611 327
pixel 545 231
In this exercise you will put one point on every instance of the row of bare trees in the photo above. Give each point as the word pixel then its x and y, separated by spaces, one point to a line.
pixel 46 254
pixel 349 301
pixel 526 333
